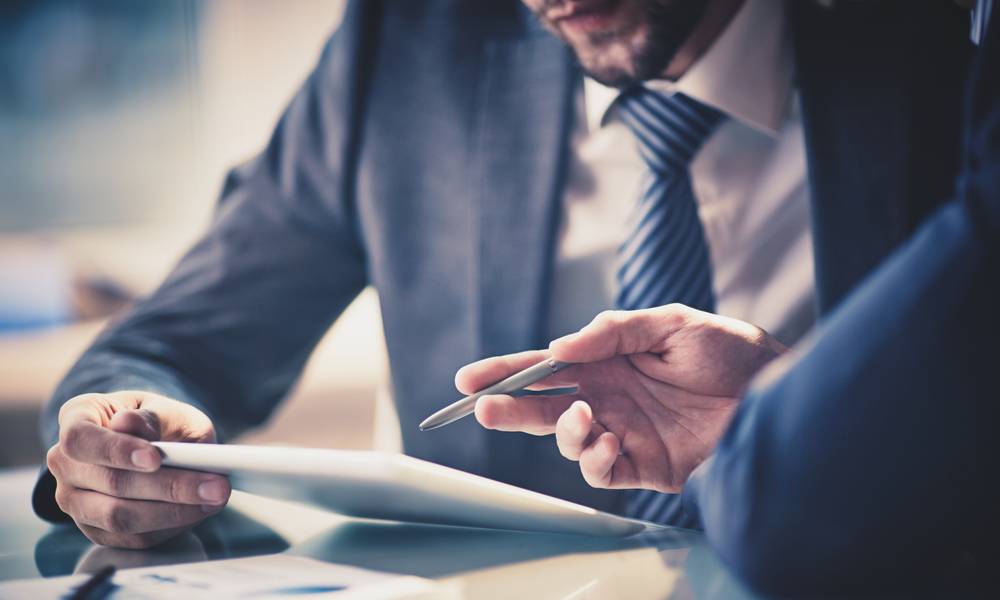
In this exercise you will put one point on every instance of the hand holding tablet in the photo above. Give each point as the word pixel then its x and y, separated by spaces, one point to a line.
pixel 395 487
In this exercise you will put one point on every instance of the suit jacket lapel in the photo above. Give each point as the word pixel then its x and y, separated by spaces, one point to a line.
pixel 525 114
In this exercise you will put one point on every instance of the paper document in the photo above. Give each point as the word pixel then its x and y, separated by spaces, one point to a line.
pixel 259 577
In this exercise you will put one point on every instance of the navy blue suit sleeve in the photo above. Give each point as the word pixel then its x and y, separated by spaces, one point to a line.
pixel 852 465
pixel 231 327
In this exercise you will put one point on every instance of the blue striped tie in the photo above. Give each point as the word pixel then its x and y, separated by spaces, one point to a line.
pixel 665 257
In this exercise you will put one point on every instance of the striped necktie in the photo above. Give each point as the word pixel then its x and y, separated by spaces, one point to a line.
pixel 665 258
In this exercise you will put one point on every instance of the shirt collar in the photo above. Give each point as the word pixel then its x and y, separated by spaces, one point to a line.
pixel 746 73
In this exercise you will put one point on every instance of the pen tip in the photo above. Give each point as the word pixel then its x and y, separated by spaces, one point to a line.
pixel 429 424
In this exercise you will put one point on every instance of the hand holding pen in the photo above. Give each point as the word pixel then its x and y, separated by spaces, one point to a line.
pixel 654 391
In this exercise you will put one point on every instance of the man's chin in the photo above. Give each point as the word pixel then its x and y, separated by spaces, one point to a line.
pixel 610 60
pixel 637 44
pixel 610 74
pixel 616 78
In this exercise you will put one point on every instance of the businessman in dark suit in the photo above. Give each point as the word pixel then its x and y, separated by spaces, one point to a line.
pixel 852 464
pixel 439 153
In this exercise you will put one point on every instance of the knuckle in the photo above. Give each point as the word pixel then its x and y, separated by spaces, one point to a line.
pixel 118 518
pixel 677 309
pixel 62 497
pixel 70 438
pixel 175 489
pixel 567 450
pixel 597 481
pixel 76 401
pixel 53 460
pixel 113 451
pixel 608 317
pixel 676 313
pixel 592 472
pixel 117 481
pixel 588 476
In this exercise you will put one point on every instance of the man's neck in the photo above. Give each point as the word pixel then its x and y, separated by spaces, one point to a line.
pixel 717 15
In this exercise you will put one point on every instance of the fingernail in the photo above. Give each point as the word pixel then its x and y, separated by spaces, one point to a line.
pixel 144 459
pixel 213 491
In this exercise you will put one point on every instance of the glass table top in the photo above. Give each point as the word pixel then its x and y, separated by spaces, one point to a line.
pixel 477 563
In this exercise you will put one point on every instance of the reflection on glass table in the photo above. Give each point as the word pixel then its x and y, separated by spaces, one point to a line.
pixel 470 563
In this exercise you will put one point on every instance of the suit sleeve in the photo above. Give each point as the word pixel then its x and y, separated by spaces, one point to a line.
pixel 853 465
pixel 231 327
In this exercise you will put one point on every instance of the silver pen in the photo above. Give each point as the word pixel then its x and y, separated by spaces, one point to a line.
pixel 514 383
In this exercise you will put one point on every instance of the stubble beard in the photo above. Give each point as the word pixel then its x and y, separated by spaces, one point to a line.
pixel 640 50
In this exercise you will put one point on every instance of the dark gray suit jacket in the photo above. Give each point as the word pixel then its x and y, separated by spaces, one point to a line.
pixel 425 156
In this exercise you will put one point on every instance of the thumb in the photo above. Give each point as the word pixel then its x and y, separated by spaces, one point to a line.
pixel 176 421
pixel 620 332
pixel 141 423
pixel 154 417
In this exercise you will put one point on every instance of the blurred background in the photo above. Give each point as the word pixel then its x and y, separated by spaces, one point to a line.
pixel 118 121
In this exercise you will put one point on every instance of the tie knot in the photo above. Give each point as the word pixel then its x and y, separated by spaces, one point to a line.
pixel 670 128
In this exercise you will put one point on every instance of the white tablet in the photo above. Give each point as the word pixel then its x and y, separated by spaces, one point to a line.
pixel 380 485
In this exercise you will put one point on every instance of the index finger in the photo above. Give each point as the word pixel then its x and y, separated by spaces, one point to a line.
pixel 83 439
pixel 481 374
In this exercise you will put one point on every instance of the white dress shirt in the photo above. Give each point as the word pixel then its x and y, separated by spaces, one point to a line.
pixel 749 180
